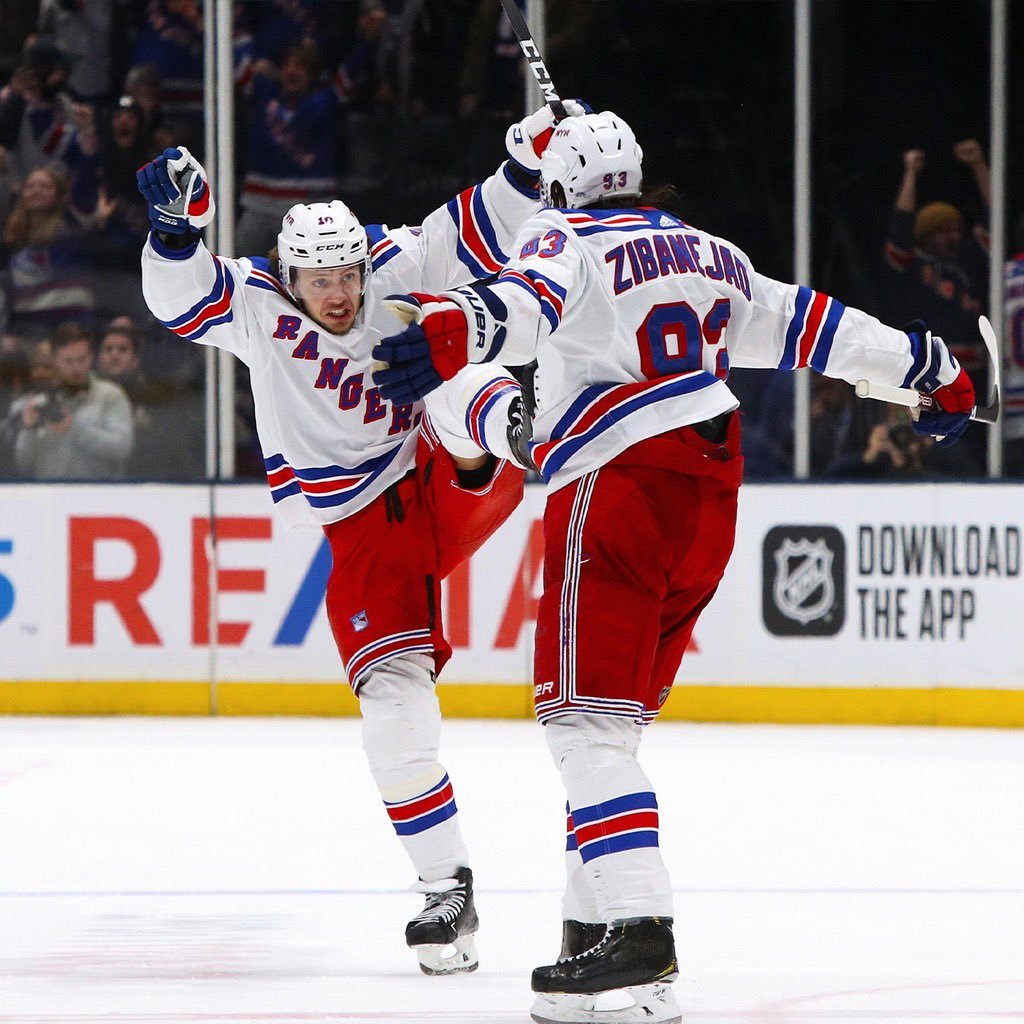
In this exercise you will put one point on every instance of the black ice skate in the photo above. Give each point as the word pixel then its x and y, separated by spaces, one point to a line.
pixel 579 936
pixel 442 934
pixel 623 979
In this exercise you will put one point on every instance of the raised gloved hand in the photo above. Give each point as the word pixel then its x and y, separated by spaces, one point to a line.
pixel 431 350
pixel 936 373
pixel 526 140
pixel 176 188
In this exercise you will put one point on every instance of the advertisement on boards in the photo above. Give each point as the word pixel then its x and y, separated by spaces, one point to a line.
pixel 842 586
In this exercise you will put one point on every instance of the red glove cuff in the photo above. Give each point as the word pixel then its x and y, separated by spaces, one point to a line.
pixel 447 335
pixel 958 396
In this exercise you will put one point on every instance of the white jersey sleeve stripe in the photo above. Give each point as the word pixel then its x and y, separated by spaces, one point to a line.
pixel 214 308
pixel 476 242
pixel 549 294
pixel 811 331
pixel 281 478
pixel 261 279
pixel 385 250
pixel 481 405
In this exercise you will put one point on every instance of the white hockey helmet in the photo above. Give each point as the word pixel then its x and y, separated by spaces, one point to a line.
pixel 321 235
pixel 592 157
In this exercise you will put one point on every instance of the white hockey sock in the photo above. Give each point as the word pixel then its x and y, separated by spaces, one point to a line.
pixel 470 412
pixel 578 903
pixel 401 737
pixel 614 814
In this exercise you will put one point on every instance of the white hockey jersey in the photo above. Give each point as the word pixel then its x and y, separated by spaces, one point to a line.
pixel 331 443
pixel 635 317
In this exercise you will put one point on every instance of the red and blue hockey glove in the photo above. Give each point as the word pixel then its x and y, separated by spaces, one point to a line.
pixel 176 188
pixel 431 350
pixel 937 373
pixel 526 140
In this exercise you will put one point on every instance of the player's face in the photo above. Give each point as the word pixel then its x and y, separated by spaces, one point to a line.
pixel 332 297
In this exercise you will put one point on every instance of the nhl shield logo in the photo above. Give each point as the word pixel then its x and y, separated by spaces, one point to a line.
pixel 803 589
pixel 803 580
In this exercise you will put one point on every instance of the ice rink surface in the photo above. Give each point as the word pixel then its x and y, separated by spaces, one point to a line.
pixel 243 870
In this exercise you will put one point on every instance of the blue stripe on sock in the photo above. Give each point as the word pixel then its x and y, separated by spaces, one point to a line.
pixel 417 825
pixel 619 805
pixel 619 844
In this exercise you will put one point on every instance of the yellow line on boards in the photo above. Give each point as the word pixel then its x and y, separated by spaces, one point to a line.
pixel 793 704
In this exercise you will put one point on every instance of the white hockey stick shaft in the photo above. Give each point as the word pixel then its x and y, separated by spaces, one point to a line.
pixel 893 395
pixel 912 399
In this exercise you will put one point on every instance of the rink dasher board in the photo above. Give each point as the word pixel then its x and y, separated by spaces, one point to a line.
pixel 843 603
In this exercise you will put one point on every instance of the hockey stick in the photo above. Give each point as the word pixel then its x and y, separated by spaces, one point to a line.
pixel 553 100
pixel 915 400
pixel 533 57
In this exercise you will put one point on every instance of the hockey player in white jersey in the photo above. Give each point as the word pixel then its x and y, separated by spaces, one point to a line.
pixel 634 319
pixel 404 491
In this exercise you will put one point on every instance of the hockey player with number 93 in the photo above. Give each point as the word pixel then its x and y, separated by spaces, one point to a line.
pixel 404 491
pixel 634 318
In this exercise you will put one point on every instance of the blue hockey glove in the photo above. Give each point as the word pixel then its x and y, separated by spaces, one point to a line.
pixel 176 188
pixel 937 373
pixel 431 350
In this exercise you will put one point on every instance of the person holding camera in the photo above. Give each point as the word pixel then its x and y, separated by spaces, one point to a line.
pixel 81 427
pixel 893 451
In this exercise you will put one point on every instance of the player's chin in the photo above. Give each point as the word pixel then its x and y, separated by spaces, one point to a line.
pixel 338 324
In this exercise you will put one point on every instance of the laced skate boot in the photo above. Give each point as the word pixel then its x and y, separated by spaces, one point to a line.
pixel 579 936
pixel 623 979
pixel 442 933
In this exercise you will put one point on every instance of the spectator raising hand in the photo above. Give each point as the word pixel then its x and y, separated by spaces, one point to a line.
pixel 969 152
pixel 934 268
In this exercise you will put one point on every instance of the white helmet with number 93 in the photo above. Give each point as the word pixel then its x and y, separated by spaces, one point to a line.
pixel 321 236
pixel 590 158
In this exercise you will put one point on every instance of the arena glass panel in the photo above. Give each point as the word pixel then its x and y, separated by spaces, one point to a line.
pixel 721 131
pixel 898 153
pixel 348 101
pixel 1013 326
pixel 421 107
pixel 92 387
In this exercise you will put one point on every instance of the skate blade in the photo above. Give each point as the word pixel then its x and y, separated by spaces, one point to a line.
pixel 639 1004
pixel 458 957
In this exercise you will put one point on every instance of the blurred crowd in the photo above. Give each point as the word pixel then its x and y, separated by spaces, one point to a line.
pixel 934 266
pixel 392 105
